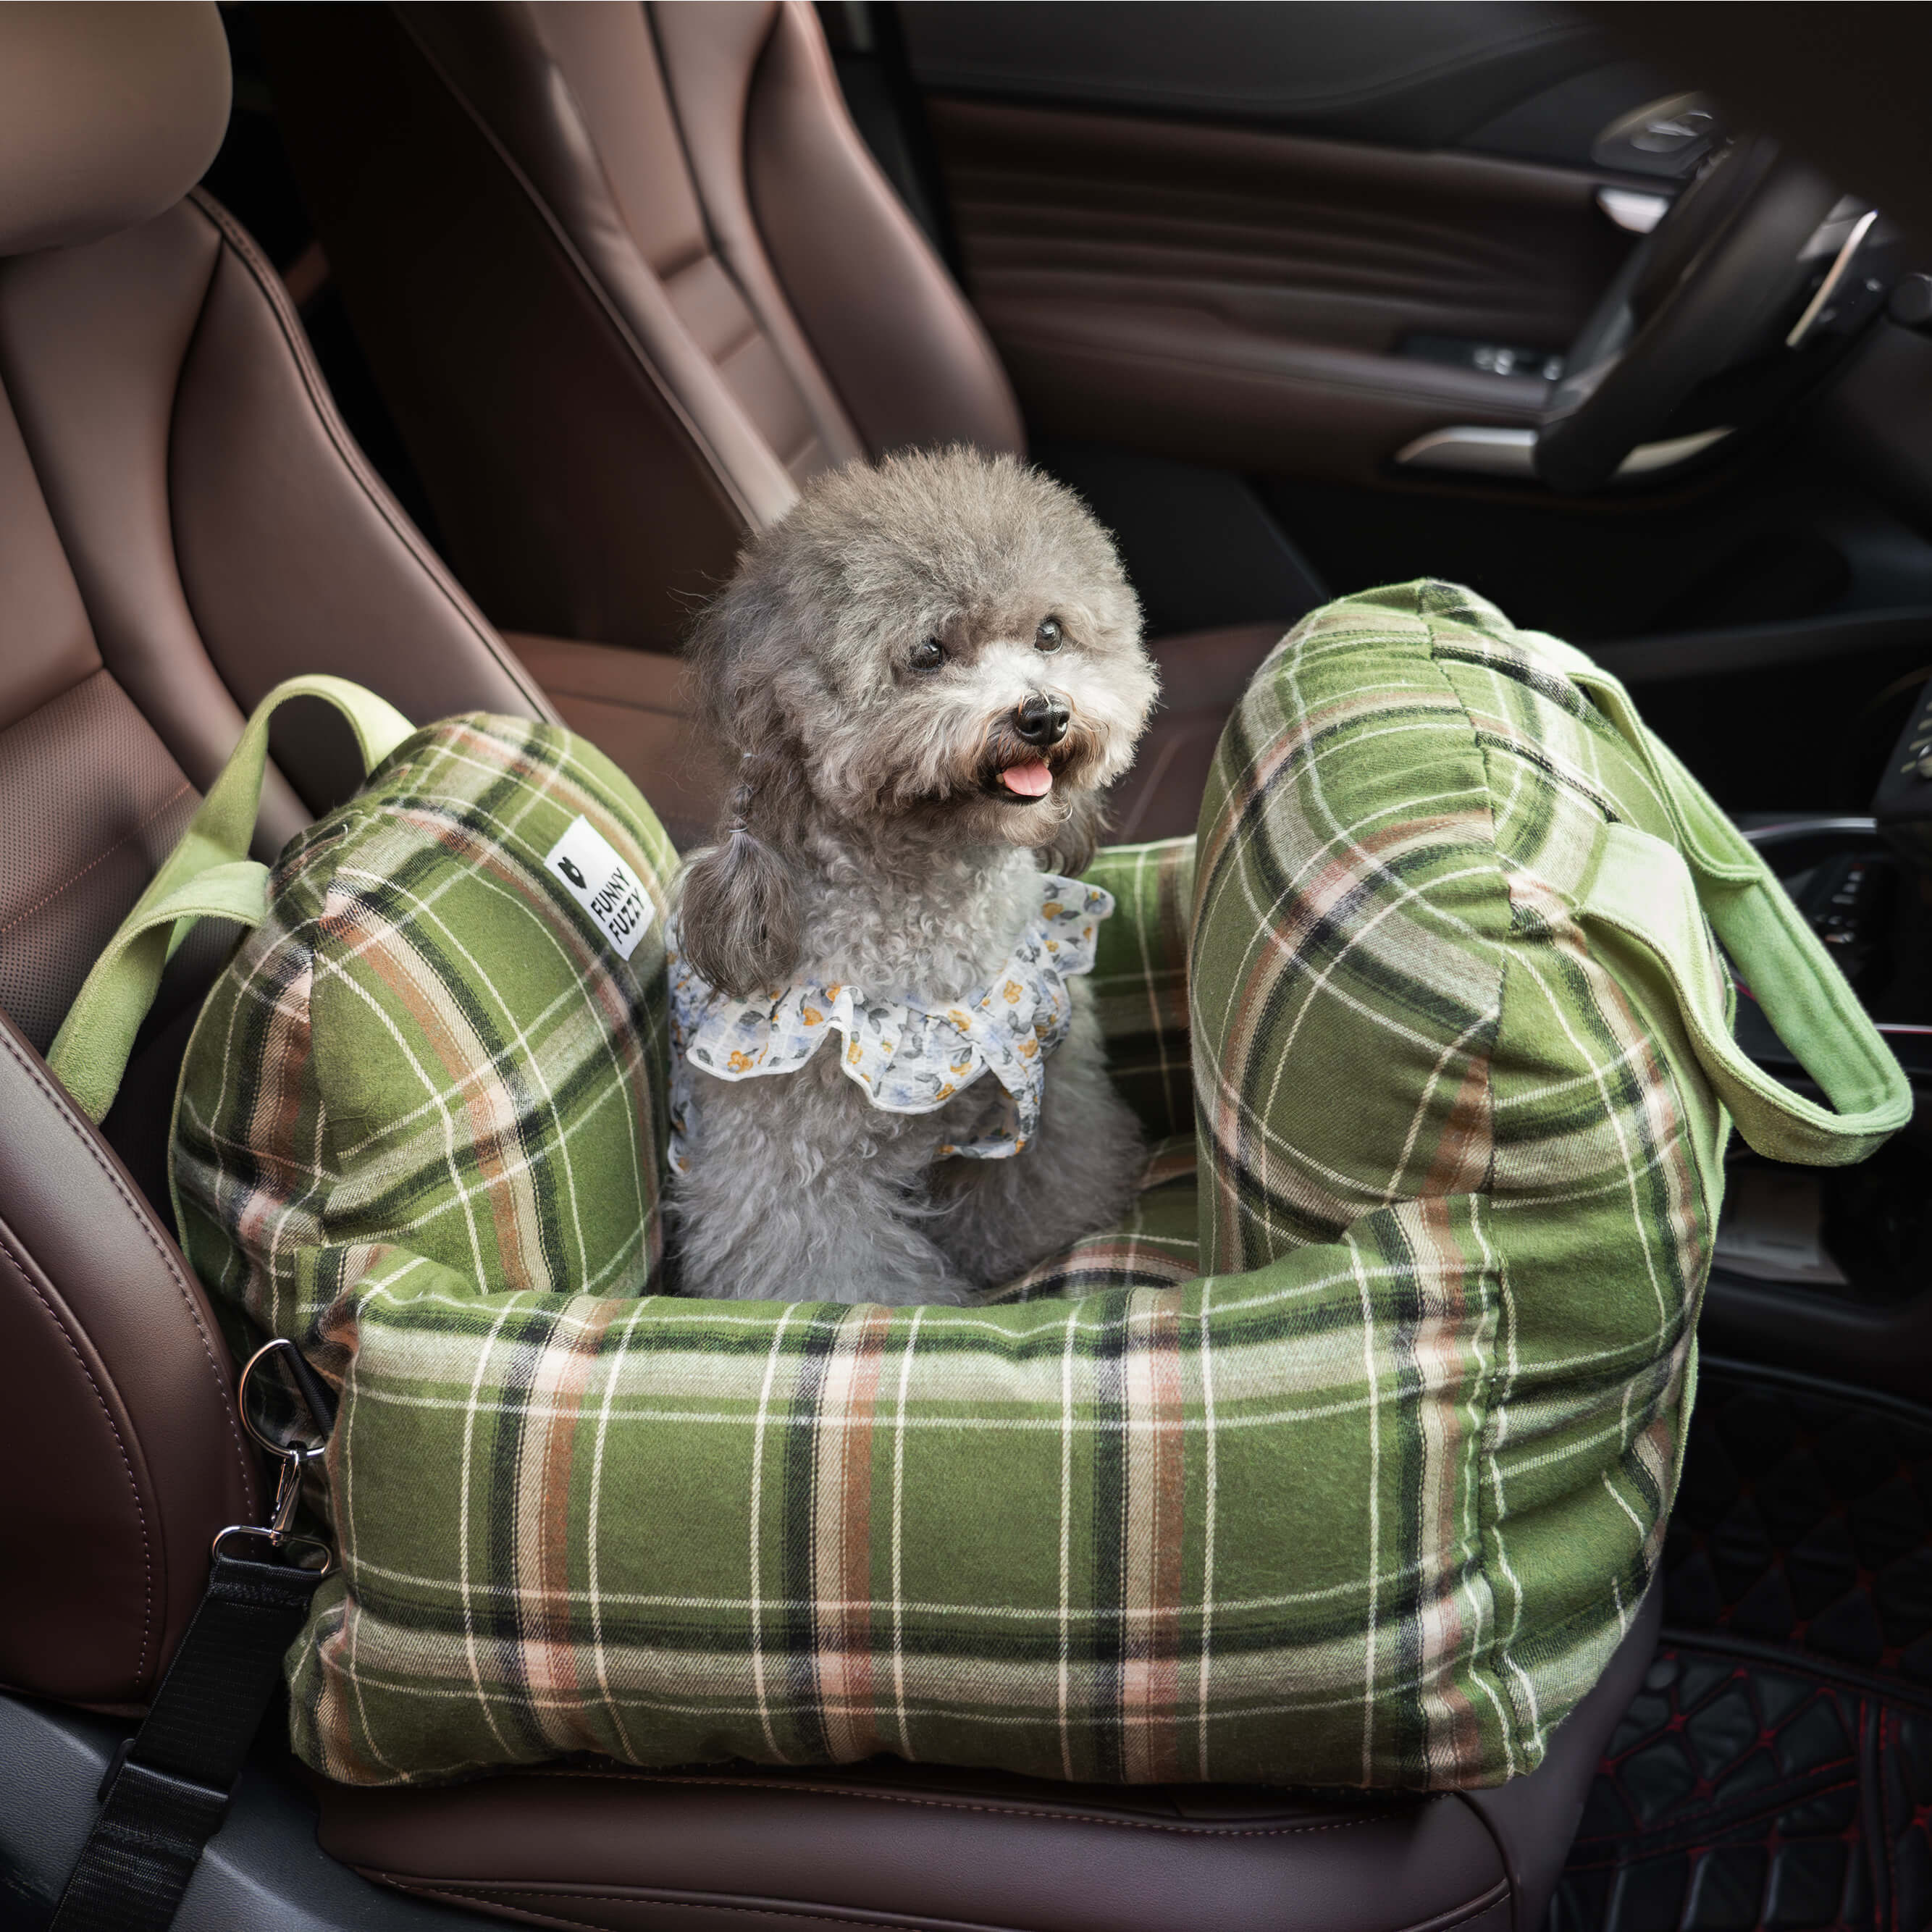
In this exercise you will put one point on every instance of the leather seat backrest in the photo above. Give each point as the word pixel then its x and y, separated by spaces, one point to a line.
pixel 184 521
pixel 628 275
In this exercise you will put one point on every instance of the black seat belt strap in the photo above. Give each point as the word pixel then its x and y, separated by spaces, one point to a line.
pixel 167 1792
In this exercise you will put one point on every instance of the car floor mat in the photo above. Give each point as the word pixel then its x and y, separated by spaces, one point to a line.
pixel 1775 1775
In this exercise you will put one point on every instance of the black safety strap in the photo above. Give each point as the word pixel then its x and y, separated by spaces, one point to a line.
pixel 165 1796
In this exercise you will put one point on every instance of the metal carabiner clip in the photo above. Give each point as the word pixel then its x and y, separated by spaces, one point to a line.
pixel 292 1457
pixel 310 1391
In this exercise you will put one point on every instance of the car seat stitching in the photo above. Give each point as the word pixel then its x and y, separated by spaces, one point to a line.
pixel 27 912
pixel 143 1221
pixel 711 250
pixel 457 1895
pixel 15 1260
pixel 861 1795
pixel 791 326
pixel 503 1894
pixel 1499 1894
pixel 509 1890
pixel 1888 1849
pixel 1695 1822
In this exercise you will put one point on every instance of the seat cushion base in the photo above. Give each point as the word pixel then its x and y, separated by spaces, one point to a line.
pixel 918 1847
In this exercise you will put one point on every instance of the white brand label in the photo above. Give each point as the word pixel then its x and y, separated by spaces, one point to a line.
pixel 602 884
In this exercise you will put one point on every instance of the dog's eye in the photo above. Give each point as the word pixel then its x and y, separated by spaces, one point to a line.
pixel 1047 637
pixel 929 655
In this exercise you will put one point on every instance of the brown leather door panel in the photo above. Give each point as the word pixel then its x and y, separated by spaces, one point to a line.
pixel 1236 296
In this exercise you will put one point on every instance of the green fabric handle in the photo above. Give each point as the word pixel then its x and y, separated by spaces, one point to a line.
pixel 1644 889
pixel 208 875
pixel 1661 896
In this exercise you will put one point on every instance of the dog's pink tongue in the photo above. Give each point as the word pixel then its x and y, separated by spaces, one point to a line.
pixel 1030 780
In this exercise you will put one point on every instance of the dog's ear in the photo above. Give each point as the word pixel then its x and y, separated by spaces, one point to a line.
pixel 1074 845
pixel 737 901
pixel 737 914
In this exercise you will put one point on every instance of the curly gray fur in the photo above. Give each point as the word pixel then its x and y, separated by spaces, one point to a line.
pixel 870 842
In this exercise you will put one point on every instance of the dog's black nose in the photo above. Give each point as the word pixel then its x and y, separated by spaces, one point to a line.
pixel 1042 720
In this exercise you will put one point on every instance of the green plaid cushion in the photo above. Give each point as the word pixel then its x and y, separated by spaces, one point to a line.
pixel 425 1078
pixel 1139 980
pixel 1068 1537
pixel 1368 1503
pixel 428 1042
pixel 1395 1002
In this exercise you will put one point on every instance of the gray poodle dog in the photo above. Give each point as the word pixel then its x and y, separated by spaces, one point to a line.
pixel 888 1080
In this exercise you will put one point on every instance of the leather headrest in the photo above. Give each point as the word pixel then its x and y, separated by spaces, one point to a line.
pixel 108 114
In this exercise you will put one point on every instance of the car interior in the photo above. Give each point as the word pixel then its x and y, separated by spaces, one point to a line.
pixel 457 349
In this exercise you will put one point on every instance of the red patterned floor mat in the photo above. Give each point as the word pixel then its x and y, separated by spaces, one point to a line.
pixel 1739 1795
pixel 1776 1771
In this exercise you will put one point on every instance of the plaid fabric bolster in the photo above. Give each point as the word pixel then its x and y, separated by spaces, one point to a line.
pixel 1138 1536
pixel 1139 981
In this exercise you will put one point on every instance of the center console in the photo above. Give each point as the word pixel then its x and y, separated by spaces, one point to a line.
pixel 1902 806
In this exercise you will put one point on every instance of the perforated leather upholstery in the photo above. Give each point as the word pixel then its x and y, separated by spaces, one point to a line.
pixel 629 276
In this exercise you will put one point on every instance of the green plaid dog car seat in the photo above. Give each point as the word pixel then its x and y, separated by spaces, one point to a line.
pixel 1347 1465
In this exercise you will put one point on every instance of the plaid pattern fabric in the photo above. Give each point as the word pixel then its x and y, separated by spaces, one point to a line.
pixel 1403 818
pixel 429 1042
pixel 1368 1503
pixel 1139 980
pixel 1069 1537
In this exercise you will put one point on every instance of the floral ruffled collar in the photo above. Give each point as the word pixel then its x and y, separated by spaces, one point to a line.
pixel 908 1056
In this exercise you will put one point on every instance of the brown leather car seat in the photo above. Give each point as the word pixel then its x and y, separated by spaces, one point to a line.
pixel 183 522
pixel 628 276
